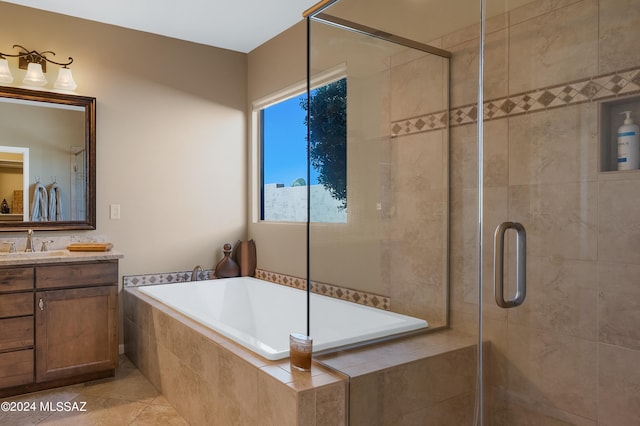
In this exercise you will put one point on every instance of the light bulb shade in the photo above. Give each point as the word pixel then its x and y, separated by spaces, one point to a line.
pixel 34 75
pixel 5 72
pixel 65 80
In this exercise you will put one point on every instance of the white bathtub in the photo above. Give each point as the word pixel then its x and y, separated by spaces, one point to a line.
pixel 260 315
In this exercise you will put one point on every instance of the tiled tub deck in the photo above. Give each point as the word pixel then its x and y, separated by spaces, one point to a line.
pixel 212 380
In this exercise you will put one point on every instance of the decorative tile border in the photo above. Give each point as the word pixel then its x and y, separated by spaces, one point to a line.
pixel 282 279
pixel 619 83
pixel 355 296
pixel 368 299
pixel 164 278
pixel 425 123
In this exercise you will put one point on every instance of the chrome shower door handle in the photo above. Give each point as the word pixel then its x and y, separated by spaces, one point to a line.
pixel 521 266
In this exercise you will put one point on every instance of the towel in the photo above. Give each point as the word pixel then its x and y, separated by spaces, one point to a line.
pixel 40 203
pixel 55 206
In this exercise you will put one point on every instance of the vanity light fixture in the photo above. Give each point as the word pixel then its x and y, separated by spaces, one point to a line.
pixel 34 75
pixel 36 65
pixel 5 72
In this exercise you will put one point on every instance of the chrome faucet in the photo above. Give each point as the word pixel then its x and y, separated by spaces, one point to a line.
pixel 12 246
pixel 29 247
pixel 194 274
pixel 45 245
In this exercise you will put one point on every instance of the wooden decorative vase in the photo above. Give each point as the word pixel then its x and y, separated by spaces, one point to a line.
pixel 227 268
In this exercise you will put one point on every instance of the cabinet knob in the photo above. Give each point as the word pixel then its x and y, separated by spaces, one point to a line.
pixel 41 304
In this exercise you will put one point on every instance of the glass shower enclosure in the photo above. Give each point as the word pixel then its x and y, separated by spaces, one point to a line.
pixel 391 250
pixel 484 192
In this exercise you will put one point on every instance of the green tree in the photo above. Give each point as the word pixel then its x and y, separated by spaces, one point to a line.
pixel 327 123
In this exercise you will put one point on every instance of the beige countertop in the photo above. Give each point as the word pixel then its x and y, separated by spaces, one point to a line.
pixel 56 256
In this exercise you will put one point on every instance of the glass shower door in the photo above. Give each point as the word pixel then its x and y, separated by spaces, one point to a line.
pixel 533 192
pixel 557 75
pixel 389 252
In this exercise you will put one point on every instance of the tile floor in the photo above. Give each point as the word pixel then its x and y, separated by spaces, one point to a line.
pixel 126 399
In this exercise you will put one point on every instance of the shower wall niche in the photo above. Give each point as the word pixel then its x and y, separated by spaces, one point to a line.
pixel 611 118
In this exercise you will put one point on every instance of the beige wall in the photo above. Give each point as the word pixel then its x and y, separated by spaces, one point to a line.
pixel 274 66
pixel 170 135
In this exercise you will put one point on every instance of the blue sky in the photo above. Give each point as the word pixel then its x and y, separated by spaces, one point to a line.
pixel 285 145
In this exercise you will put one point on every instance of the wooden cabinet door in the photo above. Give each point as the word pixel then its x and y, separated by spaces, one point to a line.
pixel 76 332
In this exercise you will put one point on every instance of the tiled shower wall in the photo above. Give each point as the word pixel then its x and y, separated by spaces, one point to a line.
pixel 570 353
pixel 414 193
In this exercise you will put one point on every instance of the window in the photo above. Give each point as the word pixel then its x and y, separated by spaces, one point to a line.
pixel 283 145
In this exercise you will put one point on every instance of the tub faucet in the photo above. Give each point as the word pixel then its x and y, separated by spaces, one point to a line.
pixel 29 247
pixel 194 274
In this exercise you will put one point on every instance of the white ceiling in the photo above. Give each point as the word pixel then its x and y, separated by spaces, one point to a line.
pixel 239 25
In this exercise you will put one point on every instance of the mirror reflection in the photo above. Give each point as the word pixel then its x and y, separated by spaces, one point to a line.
pixel 46 154
pixel 14 183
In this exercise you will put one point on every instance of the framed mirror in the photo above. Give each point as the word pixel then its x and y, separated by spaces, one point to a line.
pixel 47 160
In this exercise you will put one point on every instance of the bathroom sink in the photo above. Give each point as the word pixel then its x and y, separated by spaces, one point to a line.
pixel 28 255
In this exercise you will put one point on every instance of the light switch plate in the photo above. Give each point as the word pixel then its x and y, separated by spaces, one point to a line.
pixel 114 211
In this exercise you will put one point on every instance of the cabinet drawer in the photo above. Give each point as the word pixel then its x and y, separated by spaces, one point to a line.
pixel 14 279
pixel 16 333
pixel 16 368
pixel 76 275
pixel 16 305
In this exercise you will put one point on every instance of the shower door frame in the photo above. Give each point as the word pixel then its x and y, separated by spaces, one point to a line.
pixel 317 14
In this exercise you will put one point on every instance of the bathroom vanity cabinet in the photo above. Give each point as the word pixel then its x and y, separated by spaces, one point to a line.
pixel 58 324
